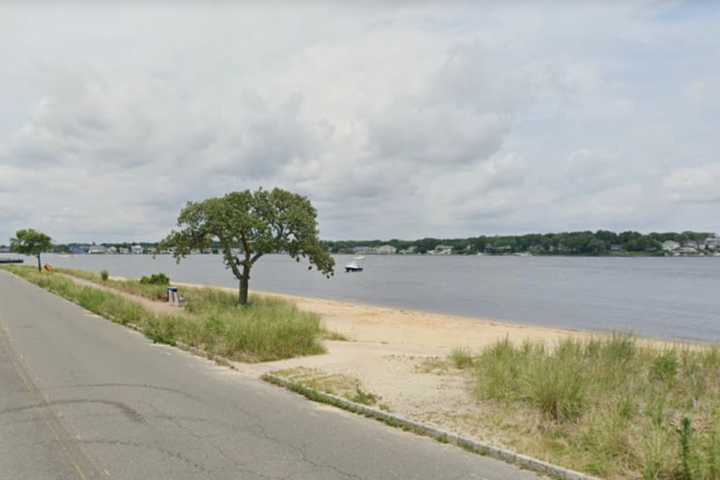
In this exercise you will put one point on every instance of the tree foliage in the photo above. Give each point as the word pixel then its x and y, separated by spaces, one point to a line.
pixel 601 242
pixel 249 224
pixel 31 242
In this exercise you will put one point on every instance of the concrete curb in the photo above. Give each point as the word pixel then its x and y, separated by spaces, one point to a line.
pixel 443 436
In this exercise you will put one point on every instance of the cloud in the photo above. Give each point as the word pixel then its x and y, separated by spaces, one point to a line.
pixel 694 185
pixel 402 121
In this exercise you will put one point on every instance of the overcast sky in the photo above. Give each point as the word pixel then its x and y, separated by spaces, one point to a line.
pixel 403 121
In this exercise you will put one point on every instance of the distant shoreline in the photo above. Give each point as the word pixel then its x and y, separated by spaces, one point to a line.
pixel 601 243
pixel 546 255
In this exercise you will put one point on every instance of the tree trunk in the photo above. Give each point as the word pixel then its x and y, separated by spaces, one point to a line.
pixel 244 282
pixel 39 264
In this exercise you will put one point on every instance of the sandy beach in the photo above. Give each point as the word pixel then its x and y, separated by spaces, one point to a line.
pixel 410 329
pixel 389 350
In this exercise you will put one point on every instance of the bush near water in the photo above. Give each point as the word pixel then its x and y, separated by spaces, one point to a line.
pixel 267 329
pixel 155 279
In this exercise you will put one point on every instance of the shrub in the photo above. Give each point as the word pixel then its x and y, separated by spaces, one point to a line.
pixel 156 279
pixel 461 358
pixel 104 275
pixel 361 396
pixel 665 366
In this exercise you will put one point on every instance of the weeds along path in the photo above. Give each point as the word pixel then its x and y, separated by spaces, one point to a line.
pixel 269 329
pixel 153 306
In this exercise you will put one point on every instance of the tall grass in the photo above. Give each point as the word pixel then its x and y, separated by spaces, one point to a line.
pixel 607 406
pixel 268 329
pixel 461 357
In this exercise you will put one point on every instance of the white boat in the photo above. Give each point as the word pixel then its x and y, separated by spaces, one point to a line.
pixel 355 265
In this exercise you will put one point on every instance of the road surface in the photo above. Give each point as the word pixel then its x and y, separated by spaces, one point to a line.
pixel 83 398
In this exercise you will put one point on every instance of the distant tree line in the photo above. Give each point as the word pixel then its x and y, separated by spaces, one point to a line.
pixel 601 242
pixel 588 243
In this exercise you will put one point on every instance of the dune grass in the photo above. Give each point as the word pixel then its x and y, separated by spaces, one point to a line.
pixel 267 329
pixel 606 406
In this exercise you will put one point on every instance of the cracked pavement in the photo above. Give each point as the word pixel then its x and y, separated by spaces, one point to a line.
pixel 83 398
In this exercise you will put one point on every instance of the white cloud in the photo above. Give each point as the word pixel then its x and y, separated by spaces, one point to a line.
pixel 401 121
pixel 695 185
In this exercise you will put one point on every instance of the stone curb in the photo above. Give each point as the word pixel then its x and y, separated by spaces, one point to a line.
pixel 443 436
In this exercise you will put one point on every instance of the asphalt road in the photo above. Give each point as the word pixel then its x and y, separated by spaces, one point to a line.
pixel 83 398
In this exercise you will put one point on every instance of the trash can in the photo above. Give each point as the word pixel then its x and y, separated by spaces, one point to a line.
pixel 173 296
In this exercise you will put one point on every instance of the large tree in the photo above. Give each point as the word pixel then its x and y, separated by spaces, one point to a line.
pixel 248 225
pixel 31 242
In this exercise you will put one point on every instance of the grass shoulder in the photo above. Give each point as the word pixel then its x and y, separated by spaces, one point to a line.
pixel 267 329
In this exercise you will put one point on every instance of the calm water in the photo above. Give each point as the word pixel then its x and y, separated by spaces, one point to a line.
pixel 661 297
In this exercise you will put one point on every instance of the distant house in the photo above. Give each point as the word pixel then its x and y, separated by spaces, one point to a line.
pixel 498 249
pixel 97 250
pixel 362 250
pixel 441 250
pixel 79 249
pixel 112 250
pixel 616 248
pixel 4 249
pixel 539 249
pixel 123 251
pixel 386 250
pixel 712 242
pixel 408 251
pixel 670 246
pixel 562 248
pixel 137 249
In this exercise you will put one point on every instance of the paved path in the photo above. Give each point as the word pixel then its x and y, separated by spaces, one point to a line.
pixel 82 398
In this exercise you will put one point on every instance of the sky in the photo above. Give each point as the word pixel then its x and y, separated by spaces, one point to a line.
pixel 397 119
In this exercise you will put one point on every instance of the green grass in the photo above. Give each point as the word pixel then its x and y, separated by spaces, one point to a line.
pixel 606 406
pixel 267 329
pixel 461 358
pixel 270 326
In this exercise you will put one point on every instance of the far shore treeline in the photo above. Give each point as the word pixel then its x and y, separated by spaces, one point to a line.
pixel 601 242
pixel 587 243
